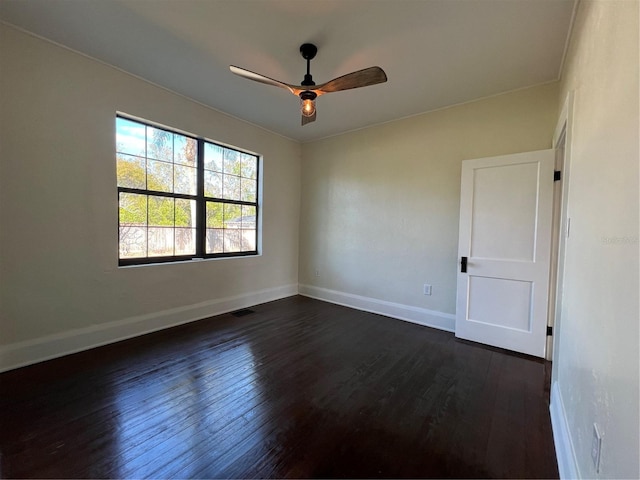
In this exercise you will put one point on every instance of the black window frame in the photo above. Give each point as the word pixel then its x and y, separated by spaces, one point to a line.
pixel 200 198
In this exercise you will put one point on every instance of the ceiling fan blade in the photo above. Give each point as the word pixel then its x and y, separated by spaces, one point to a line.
pixel 256 77
pixel 361 78
pixel 310 119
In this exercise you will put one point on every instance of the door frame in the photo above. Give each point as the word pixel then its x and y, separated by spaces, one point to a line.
pixel 565 454
pixel 561 139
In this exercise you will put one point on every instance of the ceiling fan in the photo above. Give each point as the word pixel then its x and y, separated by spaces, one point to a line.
pixel 308 91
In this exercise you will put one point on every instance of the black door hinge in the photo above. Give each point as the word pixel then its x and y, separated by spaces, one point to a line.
pixel 549 331
pixel 557 175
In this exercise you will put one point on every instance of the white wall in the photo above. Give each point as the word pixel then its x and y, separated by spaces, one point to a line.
pixel 595 374
pixel 380 206
pixel 61 288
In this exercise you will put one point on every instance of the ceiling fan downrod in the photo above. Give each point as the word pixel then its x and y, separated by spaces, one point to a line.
pixel 308 52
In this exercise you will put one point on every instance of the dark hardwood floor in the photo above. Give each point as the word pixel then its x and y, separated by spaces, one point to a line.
pixel 299 388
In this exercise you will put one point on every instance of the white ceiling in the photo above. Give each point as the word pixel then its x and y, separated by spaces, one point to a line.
pixel 436 53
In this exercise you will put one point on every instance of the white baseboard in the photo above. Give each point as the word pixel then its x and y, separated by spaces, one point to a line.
pixel 421 316
pixel 51 346
pixel 565 453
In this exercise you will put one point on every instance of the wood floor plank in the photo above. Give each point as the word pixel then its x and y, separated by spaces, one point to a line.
pixel 298 389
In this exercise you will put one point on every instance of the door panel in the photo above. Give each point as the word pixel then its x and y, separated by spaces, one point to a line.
pixel 513 296
pixel 505 231
pixel 504 225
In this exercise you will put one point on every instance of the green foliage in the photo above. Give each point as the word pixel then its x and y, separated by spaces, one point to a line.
pixel 162 211
pixel 133 209
pixel 131 172
pixel 185 213
pixel 215 215
pixel 134 172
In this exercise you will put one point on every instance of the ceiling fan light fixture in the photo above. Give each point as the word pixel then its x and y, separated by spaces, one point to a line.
pixel 308 103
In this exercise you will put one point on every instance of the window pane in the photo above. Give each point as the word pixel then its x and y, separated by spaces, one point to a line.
pixel 131 171
pixel 248 217
pixel 231 162
pixel 161 211
pixel 214 215
pixel 185 213
pixel 159 176
pixel 130 137
pixel 213 157
pixel 248 193
pixel 248 240
pixel 249 166
pixel 132 209
pixel 185 179
pixel 185 150
pixel 232 241
pixel 160 241
pixel 231 187
pixel 185 241
pixel 133 241
pixel 213 184
pixel 214 240
pixel 159 144
pixel 232 216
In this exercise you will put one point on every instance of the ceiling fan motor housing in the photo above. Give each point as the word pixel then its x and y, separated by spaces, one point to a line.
pixel 308 51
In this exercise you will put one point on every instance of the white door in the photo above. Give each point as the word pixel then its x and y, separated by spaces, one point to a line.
pixel 504 246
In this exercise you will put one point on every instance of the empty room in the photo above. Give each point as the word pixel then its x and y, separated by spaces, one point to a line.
pixel 424 266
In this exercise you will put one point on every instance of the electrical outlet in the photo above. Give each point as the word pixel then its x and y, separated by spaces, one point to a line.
pixel 596 447
pixel 317 273
pixel 427 289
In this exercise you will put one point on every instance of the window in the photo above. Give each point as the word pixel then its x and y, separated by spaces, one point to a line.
pixel 182 197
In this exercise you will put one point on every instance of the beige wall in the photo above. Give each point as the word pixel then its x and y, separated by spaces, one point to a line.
pixel 597 366
pixel 59 211
pixel 380 206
